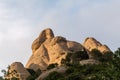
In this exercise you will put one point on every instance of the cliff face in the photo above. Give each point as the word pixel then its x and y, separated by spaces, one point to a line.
pixel 48 49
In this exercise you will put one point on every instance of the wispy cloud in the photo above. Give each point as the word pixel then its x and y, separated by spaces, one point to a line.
pixel 14 31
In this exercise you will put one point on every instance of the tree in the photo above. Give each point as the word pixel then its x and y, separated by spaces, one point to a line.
pixel 4 71
pixel 96 54
pixel 1 78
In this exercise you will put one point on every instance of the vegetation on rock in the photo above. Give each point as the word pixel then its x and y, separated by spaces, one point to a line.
pixel 51 66
pixel 109 70
pixel 34 74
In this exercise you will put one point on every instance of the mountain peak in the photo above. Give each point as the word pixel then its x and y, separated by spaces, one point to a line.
pixel 91 43
pixel 49 49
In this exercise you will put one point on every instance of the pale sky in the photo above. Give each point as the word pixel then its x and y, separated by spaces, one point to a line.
pixel 21 21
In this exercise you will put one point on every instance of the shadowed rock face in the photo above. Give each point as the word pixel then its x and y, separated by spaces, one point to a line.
pixel 48 49
pixel 91 43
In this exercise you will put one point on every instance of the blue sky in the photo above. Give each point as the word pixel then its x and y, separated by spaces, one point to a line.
pixel 21 21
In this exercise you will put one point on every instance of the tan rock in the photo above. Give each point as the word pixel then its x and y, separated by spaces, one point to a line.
pixel 45 34
pixel 17 70
pixel 74 46
pixel 48 49
pixel 60 69
pixel 91 43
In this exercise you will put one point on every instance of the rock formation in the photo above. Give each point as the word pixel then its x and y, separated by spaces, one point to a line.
pixel 48 49
pixel 91 43
pixel 46 73
pixel 17 70
pixel 89 61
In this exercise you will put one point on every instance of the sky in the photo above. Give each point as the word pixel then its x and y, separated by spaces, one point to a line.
pixel 21 21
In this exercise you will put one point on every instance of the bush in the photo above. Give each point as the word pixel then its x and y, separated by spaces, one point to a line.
pixel 51 66
pixel 96 54
pixel 37 73
pixel 1 78
pixel 74 58
pixel 79 55
pixel 53 76
pixel 33 75
pixel 31 71
pixel 14 78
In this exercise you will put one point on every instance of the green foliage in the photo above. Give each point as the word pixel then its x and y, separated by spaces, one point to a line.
pixel 31 77
pixel 51 66
pixel 4 71
pixel 103 57
pixel 108 70
pixel 14 78
pixel 34 74
pixel 80 55
pixel 37 73
pixel 1 78
pixel 31 71
pixel 96 54
pixel 117 54
pixel 74 58
pixel 54 76
pixel 107 56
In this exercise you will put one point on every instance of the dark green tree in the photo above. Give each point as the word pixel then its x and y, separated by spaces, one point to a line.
pixel 51 66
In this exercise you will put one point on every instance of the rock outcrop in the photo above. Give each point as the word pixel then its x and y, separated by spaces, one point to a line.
pixel 91 43
pixel 89 61
pixel 57 69
pixel 48 49
pixel 17 70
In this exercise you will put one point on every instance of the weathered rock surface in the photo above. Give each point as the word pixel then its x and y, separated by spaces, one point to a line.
pixel 89 61
pixel 48 49
pixel 91 43
pixel 46 73
pixel 17 70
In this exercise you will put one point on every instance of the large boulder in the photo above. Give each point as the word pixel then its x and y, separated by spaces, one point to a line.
pixel 17 70
pixel 91 43
pixel 60 69
pixel 48 49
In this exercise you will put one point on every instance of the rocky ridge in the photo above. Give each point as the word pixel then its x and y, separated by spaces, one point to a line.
pixel 49 49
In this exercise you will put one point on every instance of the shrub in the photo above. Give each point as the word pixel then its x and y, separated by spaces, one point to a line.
pixel 74 58
pixel 33 75
pixel 14 78
pixel 51 66
pixel 37 73
pixel 53 76
pixel 96 54
pixel 31 71
pixel 1 78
